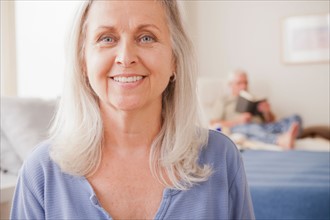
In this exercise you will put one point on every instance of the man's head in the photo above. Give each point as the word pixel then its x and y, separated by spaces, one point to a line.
pixel 237 81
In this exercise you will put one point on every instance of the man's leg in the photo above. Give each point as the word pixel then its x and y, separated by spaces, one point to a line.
pixel 284 125
pixel 254 131
pixel 281 133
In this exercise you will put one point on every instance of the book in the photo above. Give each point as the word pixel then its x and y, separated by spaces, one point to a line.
pixel 248 103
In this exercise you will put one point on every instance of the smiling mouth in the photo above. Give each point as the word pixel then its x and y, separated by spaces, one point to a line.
pixel 130 79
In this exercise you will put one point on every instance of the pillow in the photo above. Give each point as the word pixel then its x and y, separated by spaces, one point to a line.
pixel 10 162
pixel 209 90
pixel 316 131
pixel 25 122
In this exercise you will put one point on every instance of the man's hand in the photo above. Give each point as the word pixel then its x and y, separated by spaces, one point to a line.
pixel 264 107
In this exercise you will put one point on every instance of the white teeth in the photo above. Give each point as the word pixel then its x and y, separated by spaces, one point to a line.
pixel 129 79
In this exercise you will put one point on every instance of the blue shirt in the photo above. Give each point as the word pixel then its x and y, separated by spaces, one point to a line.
pixel 44 192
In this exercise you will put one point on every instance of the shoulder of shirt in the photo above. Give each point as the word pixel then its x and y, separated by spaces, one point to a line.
pixel 40 153
pixel 223 99
pixel 230 98
pixel 38 163
pixel 218 141
pixel 220 150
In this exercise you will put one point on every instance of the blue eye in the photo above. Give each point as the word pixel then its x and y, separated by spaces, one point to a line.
pixel 107 40
pixel 147 39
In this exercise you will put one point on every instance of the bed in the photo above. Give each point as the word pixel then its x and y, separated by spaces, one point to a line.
pixel 289 184
pixel 284 184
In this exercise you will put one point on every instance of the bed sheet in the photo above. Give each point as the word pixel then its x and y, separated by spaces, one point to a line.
pixel 289 184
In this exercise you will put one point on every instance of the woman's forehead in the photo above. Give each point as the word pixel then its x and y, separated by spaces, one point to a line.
pixel 126 14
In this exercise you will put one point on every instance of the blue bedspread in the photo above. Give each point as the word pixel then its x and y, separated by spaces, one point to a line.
pixel 289 185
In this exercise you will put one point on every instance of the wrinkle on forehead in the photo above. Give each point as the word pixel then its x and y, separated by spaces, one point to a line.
pixel 127 15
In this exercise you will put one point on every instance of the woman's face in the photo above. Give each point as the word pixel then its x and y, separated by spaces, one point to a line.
pixel 128 54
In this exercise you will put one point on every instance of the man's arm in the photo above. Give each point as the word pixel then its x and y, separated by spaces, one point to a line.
pixel 264 108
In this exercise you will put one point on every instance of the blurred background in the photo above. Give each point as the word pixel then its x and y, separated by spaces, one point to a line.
pixel 255 36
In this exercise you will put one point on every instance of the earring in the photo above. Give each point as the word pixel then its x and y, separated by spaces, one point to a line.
pixel 173 77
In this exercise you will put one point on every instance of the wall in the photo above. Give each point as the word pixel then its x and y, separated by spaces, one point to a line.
pixel 41 32
pixel 8 49
pixel 246 34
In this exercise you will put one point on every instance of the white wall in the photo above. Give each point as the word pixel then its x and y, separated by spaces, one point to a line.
pixel 41 31
pixel 8 49
pixel 246 34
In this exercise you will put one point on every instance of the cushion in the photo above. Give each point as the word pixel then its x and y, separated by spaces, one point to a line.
pixel 316 131
pixel 25 122
pixel 209 89
pixel 10 162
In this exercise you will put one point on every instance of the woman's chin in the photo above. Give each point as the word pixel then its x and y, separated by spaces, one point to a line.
pixel 125 105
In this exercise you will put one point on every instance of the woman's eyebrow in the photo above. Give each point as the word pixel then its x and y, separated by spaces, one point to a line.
pixel 142 26
pixel 145 26
pixel 104 27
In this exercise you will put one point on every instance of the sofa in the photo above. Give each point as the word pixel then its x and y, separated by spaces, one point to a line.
pixel 24 123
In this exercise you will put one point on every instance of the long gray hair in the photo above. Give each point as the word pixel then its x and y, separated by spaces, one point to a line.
pixel 77 131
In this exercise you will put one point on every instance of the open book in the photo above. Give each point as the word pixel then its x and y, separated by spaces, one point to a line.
pixel 248 103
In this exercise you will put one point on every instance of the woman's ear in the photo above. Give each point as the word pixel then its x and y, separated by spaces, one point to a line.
pixel 174 65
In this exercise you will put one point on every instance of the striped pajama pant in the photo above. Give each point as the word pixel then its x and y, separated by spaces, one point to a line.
pixel 267 132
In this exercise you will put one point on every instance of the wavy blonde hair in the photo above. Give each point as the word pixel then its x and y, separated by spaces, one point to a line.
pixel 77 131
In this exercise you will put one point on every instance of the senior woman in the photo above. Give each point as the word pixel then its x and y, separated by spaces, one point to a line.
pixel 127 142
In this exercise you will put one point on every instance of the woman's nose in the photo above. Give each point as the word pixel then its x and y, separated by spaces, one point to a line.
pixel 126 54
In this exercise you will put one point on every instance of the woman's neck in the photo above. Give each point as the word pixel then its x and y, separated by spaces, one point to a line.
pixel 126 132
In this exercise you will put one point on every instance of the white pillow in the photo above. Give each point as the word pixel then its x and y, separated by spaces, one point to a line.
pixel 25 122
pixel 10 162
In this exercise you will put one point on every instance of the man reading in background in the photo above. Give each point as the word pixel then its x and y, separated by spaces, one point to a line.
pixel 261 127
